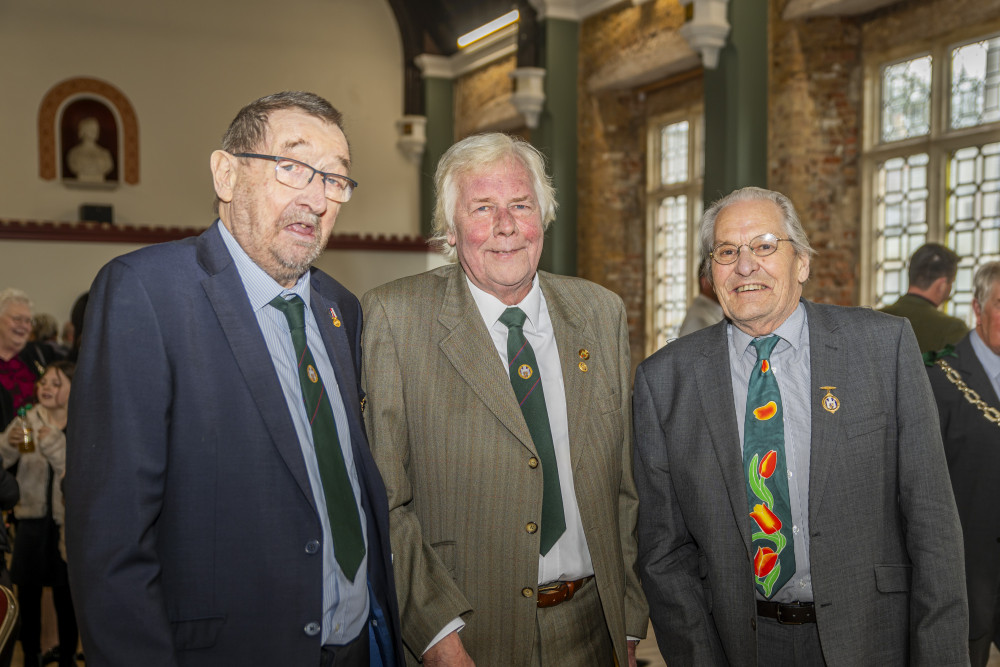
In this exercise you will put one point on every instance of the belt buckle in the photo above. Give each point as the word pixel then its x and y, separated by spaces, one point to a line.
pixel 780 615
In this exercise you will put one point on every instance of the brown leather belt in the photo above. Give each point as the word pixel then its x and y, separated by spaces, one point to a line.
pixel 552 594
pixel 788 614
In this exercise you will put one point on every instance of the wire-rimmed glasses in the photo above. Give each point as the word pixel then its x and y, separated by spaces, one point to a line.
pixel 298 175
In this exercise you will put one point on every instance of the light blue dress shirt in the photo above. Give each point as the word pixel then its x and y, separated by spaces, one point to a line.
pixel 790 362
pixel 345 603
pixel 989 360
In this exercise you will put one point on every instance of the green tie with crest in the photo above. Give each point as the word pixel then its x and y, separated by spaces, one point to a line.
pixel 527 382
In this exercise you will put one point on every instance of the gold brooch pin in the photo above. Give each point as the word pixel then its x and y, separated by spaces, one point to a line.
pixel 583 366
pixel 830 402
pixel 584 353
pixel 333 316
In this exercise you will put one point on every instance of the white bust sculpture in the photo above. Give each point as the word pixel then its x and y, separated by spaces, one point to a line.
pixel 90 161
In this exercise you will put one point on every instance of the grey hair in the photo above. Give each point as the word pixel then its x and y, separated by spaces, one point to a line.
pixel 475 153
pixel 789 218
pixel 986 277
pixel 13 295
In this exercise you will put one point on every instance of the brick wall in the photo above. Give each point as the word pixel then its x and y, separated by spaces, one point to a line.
pixel 611 169
pixel 816 81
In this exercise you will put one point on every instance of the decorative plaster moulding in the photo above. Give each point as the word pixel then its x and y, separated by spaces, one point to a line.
pixel 575 10
pixel 807 9
pixel 489 49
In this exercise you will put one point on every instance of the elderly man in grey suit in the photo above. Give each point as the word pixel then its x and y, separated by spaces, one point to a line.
pixel 499 414
pixel 795 506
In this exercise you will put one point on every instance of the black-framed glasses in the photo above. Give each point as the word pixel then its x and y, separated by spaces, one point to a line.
pixel 299 175
pixel 760 246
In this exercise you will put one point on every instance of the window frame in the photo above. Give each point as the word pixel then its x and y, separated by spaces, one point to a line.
pixel 655 193
pixel 939 143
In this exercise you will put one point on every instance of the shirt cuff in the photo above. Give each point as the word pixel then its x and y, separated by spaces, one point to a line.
pixel 456 624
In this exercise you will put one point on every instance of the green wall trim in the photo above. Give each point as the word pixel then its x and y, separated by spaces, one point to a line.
pixel 439 108
pixel 556 136
pixel 736 105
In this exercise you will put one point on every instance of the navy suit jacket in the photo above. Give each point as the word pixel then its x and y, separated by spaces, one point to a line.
pixel 972 447
pixel 191 529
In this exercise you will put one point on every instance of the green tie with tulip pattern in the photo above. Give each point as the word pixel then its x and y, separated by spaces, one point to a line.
pixel 767 477
pixel 527 382
pixel 341 505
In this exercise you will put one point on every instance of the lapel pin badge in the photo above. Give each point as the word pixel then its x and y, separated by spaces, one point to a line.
pixel 333 316
pixel 584 353
pixel 364 402
pixel 583 366
pixel 830 402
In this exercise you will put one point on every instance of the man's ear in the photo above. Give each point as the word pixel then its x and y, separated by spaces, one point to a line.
pixel 224 168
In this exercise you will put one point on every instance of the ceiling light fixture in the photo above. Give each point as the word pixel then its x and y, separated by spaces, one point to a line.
pixel 488 29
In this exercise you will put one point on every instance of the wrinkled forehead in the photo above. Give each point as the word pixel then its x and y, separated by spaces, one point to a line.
pixel 746 220
pixel 294 133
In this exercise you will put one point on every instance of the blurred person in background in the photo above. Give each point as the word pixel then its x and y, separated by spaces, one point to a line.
pixel 21 361
pixel 36 562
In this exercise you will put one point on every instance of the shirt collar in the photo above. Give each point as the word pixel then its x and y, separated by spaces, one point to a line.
pixel 791 330
pixel 261 288
pixel 989 360
pixel 491 308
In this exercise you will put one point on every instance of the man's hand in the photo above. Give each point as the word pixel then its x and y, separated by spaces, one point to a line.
pixel 449 652
pixel 631 652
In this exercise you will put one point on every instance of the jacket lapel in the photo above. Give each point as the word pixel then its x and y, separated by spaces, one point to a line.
pixel 225 291
pixel 338 349
pixel 470 349
pixel 715 395
pixel 828 368
pixel 573 333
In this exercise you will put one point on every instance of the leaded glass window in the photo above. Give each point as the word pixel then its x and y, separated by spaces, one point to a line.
pixel 934 166
pixel 674 195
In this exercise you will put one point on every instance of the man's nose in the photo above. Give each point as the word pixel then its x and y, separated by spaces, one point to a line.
pixel 314 195
pixel 746 262
pixel 505 225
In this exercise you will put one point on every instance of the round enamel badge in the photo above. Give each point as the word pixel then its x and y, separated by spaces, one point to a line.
pixel 524 370
pixel 313 375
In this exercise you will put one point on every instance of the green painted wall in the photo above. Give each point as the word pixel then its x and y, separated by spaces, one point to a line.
pixel 736 105
pixel 439 108
pixel 556 136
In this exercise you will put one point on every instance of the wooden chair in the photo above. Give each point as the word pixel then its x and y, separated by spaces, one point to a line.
pixel 8 615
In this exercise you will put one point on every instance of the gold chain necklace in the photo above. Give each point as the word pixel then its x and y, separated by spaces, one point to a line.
pixel 971 395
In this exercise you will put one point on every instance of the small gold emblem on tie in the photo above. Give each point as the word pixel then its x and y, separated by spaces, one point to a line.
pixel 313 375
pixel 583 366
pixel 333 316
pixel 830 402
pixel 524 370
pixel 584 353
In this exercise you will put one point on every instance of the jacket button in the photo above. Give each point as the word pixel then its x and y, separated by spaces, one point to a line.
pixel 527 592
pixel 532 527
pixel 312 546
pixel 312 629
pixel 532 462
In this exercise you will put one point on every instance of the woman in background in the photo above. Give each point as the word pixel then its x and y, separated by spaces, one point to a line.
pixel 36 561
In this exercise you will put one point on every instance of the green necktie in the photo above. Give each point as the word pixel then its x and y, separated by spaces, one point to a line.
pixel 341 506
pixel 767 476
pixel 527 382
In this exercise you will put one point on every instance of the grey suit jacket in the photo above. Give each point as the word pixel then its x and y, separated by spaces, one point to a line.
pixel 885 542
pixel 454 450
pixel 972 447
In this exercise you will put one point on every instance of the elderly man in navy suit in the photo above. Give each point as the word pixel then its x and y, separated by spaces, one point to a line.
pixel 223 507
pixel 794 504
